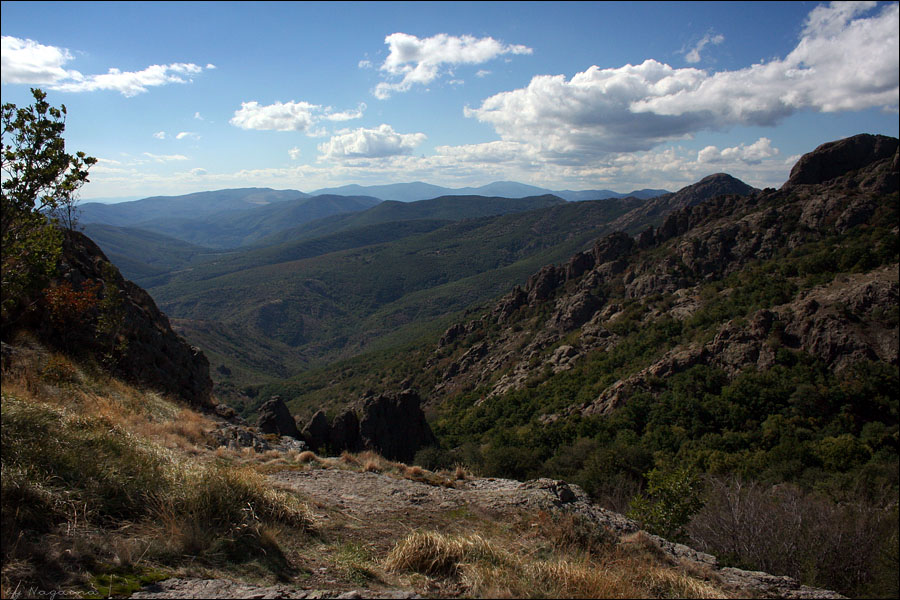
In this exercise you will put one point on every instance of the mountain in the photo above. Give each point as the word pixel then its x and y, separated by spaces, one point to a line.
pixel 729 377
pixel 417 190
pixel 442 208
pixel 248 226
pixel 319 298
pixel 143 255
pixel 750 338
pixel 189 206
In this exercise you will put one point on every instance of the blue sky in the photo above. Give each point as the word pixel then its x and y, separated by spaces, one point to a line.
pixel 181 97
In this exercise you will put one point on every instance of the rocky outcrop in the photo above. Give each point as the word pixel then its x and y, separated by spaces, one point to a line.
pixel 394 425
pixel 572 303
pixel 391 424
pixel 274 417
pixel 121 327
pixel 345 433
pixel 840 157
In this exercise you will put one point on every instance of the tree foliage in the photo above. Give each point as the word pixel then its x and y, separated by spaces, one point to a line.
pixel 39 182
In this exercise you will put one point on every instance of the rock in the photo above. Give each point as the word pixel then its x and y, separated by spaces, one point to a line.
pixel 274 417
pixel 345 433
pixel 317 432
pixel 541 285
pixel 614 246
pixel 575 310
pixel 834 159
pixel 394 425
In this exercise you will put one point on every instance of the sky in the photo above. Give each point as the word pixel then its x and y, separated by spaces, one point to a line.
pixel 179 97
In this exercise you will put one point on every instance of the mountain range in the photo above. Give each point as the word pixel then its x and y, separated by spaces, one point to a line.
pixel 722 363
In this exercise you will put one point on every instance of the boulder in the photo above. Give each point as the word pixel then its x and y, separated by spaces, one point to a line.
pixel 317 432
pixel 274 417
pixel 394 425
pixel 344 433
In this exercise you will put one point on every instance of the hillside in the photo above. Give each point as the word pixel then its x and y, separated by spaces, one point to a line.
pixel 751 338
pixel 319 301
pixel 122 477
pixel 144 256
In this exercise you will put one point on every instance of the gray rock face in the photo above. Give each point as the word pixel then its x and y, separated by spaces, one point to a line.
pixel 274 417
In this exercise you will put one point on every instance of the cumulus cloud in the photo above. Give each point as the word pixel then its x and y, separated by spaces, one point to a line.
pixel 160 135
pixel 752 154
pixel 380 142
pixel 294 153
pixel 288 116
pixel 693 56
pixel 846 59
pixel 29 62
pixel 420 61
pixel 186 134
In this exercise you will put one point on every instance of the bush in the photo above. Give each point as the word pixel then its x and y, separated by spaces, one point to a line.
pixel 668 503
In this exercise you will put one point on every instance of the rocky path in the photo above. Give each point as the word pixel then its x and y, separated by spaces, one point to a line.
pixel 381 509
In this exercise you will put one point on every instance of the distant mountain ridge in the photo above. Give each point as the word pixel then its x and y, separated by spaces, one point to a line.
pixel 418 190
pixel 196 205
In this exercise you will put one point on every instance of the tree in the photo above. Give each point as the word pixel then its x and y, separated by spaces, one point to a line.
pixel 39 181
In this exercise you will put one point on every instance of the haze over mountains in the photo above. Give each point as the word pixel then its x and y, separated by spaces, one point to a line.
pixel 275 281
pixel 167 214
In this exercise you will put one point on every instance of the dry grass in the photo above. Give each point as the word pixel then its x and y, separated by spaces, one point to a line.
pixel 486 568
pixel 308 456
pixel 98 472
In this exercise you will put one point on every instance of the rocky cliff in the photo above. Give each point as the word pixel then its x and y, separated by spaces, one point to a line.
pixel 566 311
pixel 90 310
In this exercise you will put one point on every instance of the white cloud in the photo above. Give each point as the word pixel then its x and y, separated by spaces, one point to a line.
pixel 198 117
pixel 752 154
pixel 210 66
pixel 288 116
pixel 187 134
pixel 846 59
pixel 198 172
pixel 364 64
pixel 160 135
pixel 369 143
pixel 482 73
pixel 294 153
pixel 27 61
pixel 165 157
pixel 694 55
pixel 419 61
pixel 347 115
